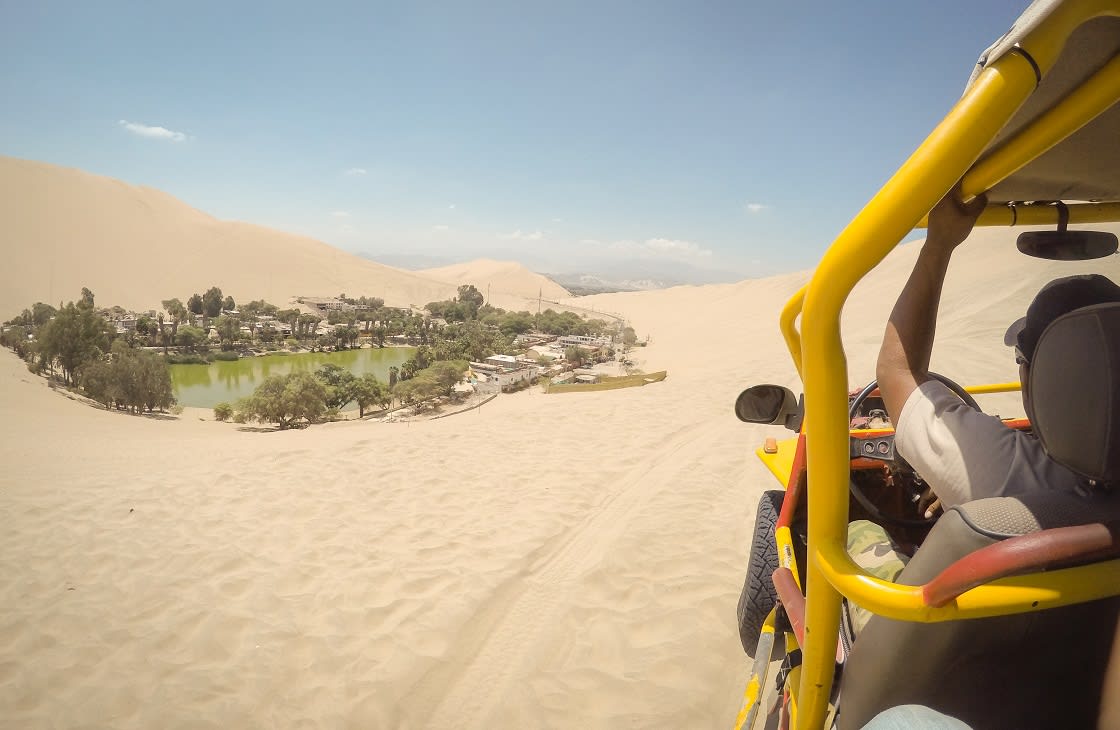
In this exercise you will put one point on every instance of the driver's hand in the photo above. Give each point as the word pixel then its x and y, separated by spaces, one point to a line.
pixel 929 504
pixel 951 221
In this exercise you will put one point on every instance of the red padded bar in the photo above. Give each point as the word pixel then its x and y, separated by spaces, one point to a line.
pixel 792 600
pixel 1022 554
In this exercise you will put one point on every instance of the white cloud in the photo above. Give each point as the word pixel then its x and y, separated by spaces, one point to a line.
pixel 757 207
pixel 665 248
pixel 557 220
pixel 441 228
pixel 451 207
pixel 340 214
pixel 355 171
pixel 519 236
pixel 144 130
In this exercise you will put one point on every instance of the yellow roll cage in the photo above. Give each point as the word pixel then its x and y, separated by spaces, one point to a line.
pixel 950 153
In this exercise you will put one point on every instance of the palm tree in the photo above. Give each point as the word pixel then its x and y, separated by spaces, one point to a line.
pixel 178 314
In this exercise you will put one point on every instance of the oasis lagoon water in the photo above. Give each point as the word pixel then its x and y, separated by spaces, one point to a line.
pixel 205 386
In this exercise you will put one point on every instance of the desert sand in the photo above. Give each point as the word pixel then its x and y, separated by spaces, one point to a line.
pixel 547 561
pixel 65 229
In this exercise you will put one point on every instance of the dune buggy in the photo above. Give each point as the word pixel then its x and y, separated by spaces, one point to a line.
pixel 1005 614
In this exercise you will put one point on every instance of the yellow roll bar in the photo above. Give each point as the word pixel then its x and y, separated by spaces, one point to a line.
pixel 945 156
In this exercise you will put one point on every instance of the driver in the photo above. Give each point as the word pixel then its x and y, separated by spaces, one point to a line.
pixel 962 453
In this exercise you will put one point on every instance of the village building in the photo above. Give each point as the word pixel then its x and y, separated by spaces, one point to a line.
pixel 583 341
pixel 325 304
pixel 506 362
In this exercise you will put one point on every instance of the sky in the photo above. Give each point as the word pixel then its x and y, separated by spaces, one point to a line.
pixel 735 138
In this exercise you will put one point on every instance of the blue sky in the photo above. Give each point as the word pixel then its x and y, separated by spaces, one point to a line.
pixel 736 137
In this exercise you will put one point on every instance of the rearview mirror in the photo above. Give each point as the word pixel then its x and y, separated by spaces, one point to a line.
pixel 1067 245
pixel 773 404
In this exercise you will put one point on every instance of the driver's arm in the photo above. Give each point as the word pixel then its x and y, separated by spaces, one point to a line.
pixel 903 362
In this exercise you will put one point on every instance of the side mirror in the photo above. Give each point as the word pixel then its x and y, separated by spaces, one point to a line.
pixel 1066 245
pixel 772 404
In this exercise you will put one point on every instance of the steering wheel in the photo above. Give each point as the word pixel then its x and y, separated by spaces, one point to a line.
pixel 857 492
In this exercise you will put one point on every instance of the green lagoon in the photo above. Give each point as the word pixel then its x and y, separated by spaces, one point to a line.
pixel 205 386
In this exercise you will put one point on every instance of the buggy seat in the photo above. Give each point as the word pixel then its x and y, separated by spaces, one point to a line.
pixel 1042 669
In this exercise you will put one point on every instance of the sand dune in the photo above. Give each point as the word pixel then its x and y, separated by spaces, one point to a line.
pixel 65 229
pixel 499 278
pixel 547 561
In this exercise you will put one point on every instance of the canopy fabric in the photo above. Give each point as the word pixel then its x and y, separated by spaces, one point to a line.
pixel 1085 166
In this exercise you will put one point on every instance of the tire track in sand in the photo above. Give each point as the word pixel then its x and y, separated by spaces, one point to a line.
pixel 476 676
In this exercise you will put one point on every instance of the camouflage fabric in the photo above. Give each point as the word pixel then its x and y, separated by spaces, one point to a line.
pixel 871 549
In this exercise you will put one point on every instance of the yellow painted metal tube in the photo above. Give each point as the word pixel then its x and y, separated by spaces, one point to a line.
pixel 1045 215
pixel 1018 594
pixel 756 684
pixel 929 173
pixel 784 540
pixel 1091 99
pixel 788 321
pixel 994 388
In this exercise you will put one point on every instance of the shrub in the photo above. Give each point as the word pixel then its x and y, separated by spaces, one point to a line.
pixel 223 411
pixel 186 360
pixel 225 356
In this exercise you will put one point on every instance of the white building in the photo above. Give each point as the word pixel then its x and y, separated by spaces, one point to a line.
pixel 507 362
pixel 583 340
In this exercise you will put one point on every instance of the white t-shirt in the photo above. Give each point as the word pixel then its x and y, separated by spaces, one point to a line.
pixel 965 454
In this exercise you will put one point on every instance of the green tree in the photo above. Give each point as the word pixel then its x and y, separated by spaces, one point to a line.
pixel 472 298
pixel 177 313
pixel 446 374
pixel 340 384
pixel 228 304
pixel 223 412
pixel 86 302
pixel 257 307
pixel 195 305
pixel 515 323
pixel 285 400
pixel 574 355
pixel 16 337
pixel 146 327
pixel 41 314
pixel 305 324
pixel 75 337
pixel 368 391
pixel 130 378
pixel 212 302
pixel 629 337
pixel 190 337
pixel 229 329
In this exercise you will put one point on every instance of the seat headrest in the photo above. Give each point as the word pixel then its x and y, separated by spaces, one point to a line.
pixel 1074 385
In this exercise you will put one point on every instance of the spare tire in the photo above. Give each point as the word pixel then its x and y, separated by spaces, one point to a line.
pixel 759 595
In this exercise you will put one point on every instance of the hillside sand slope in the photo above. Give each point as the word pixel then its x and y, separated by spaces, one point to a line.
pixel 64 229
pixel 546 561
pixel 499 278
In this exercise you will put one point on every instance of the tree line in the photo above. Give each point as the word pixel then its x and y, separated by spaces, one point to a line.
pixel 305 398
pixel 77 342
